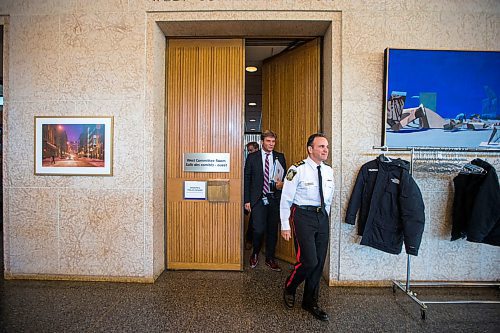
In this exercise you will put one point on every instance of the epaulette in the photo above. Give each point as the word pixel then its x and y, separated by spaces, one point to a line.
pixel 327 164
pixel 299 163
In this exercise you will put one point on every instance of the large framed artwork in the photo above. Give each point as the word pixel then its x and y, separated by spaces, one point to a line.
pixel 74 146
pixel 438 98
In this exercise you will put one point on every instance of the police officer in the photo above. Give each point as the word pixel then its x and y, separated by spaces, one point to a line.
pixel 304 208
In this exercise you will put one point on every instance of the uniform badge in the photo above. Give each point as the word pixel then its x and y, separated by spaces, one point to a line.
pixel 290 174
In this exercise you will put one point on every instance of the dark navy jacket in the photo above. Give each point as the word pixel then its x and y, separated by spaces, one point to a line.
pixel 391 208
pixel 476 206
pixel 254 176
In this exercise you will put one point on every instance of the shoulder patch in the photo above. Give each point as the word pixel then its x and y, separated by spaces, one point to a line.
pixel 299 163
pixel 290 174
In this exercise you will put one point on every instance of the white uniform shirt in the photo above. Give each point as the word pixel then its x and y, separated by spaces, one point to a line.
pixel 301 188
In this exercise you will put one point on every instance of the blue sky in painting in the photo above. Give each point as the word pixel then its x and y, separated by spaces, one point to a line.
pixel 458 78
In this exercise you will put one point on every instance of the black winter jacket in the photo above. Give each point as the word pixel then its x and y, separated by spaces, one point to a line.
pixel 391 207
pixel 476 206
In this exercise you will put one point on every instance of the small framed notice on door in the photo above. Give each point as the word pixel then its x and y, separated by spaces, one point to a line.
pixel 195 190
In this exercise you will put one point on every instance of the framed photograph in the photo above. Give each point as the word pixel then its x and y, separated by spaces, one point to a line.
pixel 439 98
pixel 78 146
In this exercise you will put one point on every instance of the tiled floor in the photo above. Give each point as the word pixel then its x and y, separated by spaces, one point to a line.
pixel 249 301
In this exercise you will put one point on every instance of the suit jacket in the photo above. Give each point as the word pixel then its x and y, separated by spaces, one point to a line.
pixel 254 175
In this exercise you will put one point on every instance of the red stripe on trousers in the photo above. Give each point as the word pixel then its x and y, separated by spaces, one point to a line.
pixel 298 248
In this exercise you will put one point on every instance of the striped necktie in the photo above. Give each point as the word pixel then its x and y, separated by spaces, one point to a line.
pixel 265 189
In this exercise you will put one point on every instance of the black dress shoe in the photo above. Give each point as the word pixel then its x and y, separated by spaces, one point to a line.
pixel 289 299
pixel 316 312
pixel 254 260
pixel 271 263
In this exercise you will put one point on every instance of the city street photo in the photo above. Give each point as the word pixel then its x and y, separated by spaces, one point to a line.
pixel 73 145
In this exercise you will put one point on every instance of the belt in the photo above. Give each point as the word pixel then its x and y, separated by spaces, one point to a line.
pixel 310 208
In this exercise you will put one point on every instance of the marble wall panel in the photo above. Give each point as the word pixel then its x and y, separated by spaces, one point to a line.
pixel 128 169
pixel 102 56
pixel 445 5
pixel 148 232
pixel 33 7
pixel 102 232
pixel 438 206
pixel 463 30
pixel 420 265
pixel 74 50
pixel 154 121
pixel 492 35
pixel 128 143
pixel 362 263
pixel 258 5
pixel 413 29
pixel 361 132
pixel 154 153
pixel 437 30
pixel 33 58
pixel 19 152
pixel 55 7
pixel 363 31
pixel 362 77
pixel 432 181
pixel 101 6
pixel 336 214
pixel 351 164
pixel 33 235
pixel 489 262
pixel 438 198
pixel 456 261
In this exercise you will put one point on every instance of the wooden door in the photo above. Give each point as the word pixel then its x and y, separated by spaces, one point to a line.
pixel 291 107
pixel 205 96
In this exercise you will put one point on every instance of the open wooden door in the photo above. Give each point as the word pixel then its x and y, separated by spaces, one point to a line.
pixel 291 107
pixel 205 96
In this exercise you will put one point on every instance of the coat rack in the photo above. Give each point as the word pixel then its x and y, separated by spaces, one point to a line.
pixel 405 287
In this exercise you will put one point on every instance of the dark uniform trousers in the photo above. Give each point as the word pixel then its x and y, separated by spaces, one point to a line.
pixel 311 233
pixel 265 221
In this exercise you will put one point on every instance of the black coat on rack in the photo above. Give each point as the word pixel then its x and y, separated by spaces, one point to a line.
pixel 390 205
pixel 476 205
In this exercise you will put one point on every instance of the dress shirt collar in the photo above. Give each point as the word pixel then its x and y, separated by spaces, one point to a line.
pixel 312 163
pixel 263 154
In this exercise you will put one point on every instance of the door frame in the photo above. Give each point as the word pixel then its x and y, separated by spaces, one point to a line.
pixel 325 24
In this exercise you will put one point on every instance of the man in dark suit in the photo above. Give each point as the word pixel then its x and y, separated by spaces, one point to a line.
pixel 262 196
pixel 252 147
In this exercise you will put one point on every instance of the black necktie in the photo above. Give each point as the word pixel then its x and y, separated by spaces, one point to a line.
pixel 320 179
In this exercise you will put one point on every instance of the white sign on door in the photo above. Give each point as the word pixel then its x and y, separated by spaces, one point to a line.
pixel 206 162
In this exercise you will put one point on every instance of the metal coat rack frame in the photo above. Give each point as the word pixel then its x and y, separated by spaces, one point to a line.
pixel 405 286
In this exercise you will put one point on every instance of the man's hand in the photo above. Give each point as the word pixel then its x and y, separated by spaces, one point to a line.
pixel 286 234
pixel 247 207
pixel 279 185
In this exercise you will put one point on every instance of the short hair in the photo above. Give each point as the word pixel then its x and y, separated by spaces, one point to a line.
pixel 268 134
pixel 311 138
pixel 253 144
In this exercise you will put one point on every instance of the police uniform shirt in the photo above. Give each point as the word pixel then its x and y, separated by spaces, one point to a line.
pixel 301 188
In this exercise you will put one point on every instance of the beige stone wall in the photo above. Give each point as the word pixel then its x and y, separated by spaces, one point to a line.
pixel 106 57
pixel 365 34
pixel 83 58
